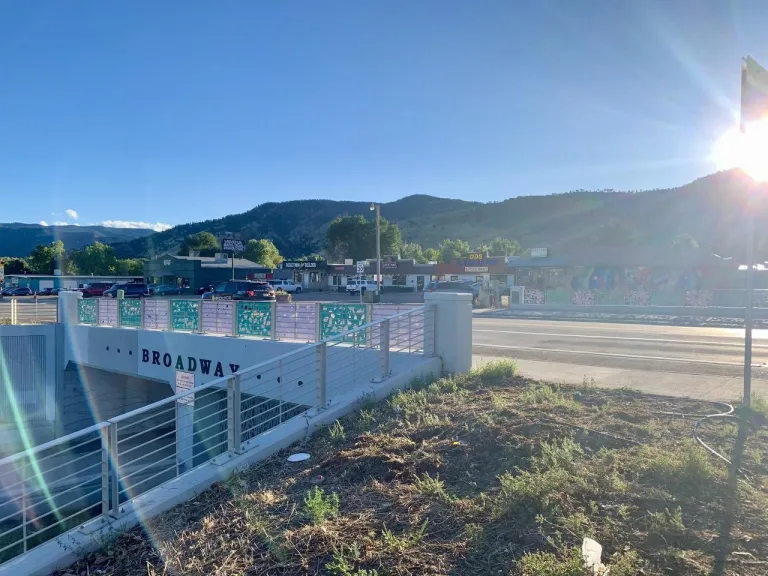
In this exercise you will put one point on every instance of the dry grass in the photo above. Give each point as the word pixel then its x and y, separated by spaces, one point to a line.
pixel 481 474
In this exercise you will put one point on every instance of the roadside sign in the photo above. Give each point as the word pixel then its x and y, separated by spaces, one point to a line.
pixel 361 267
pixel 185 381
pixel 230 245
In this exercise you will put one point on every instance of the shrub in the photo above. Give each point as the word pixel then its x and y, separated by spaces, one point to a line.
pixel 318 506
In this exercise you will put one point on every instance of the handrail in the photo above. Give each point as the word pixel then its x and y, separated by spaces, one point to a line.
pixel 55 442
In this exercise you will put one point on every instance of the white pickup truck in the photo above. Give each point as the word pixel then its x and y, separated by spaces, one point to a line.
pixel 355 285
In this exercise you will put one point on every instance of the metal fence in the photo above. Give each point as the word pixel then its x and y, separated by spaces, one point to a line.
pixel 304 321
pixel 14 311
pixel 719 298
pixel 50 489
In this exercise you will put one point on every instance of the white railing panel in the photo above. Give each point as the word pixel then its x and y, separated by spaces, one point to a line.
pixel 157 314
pixel 217 316
pixel 107 312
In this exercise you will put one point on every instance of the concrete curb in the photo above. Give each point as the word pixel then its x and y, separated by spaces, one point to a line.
pixel 66 549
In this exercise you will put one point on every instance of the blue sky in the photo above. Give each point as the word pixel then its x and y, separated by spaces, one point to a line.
pixel 169 112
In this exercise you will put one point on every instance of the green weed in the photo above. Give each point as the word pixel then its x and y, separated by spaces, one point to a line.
pixel 539 394
pixel 336 432
pixel 433 487
pixel 548 564
pixel 318 506
pixel 405 541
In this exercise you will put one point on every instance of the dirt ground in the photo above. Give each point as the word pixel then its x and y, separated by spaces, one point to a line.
pixel 487 473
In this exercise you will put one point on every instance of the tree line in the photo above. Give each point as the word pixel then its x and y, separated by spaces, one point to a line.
pixel 355 237
pixel 97 259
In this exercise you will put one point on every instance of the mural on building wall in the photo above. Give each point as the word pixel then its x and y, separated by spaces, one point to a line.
pixel 583 298
pixel 533 296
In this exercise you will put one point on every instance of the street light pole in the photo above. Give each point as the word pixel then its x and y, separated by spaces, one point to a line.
pixel 377 207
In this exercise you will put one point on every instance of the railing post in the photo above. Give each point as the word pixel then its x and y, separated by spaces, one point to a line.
pixel 410 332
pixel 321 354
pixel 13 311
pixel 235 307
pixel 234 415
pixel 429 330
pixel 318 322
pixel 114 496
pixel 142 307
pixel 384 347
pixel 98 311
pixel 119 313
pixel 24 503
pixel 105 496
pixel 170 320
pixel 273 320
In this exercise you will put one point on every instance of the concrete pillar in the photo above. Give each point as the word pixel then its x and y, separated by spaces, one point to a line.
pixel 68 306
pixel 453 329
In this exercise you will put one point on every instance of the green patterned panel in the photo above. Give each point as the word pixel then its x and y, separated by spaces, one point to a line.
pixel 130 313
pixel 88 311
pixel 558 296
pixel 185 315
pixel 254 318
pixel 339 318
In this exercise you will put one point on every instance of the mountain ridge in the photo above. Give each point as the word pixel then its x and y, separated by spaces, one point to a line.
pixel 710 209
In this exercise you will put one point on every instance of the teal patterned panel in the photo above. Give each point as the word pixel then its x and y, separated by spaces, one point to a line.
pixel 339 318
pixel 130 313
pixel 254 318
pixel 87 311
pixel 185 315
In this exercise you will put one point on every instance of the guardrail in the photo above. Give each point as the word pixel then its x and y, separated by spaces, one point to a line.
pixel 719 298
pixel 14 311
pixel 310 321
pixel 54 488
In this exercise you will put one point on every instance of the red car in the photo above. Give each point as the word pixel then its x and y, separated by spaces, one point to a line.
pixel 95 289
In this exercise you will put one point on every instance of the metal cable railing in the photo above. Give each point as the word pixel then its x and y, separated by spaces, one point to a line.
pixel 48 490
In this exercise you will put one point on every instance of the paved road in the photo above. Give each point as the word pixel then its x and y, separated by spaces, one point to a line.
pixel 699 362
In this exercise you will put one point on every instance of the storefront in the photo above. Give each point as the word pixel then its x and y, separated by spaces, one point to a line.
pixel 310 274
pixel 193 272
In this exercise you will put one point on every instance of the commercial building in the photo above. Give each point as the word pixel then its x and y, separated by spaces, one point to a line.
pixel 37 282
pixel 195 271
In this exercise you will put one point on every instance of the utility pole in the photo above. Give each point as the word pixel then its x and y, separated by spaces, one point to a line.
pixel 377 207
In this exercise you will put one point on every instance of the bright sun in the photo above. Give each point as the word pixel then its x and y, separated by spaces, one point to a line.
pixel 748 150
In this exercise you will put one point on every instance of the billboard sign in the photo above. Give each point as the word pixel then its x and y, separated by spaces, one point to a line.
pixel 231 245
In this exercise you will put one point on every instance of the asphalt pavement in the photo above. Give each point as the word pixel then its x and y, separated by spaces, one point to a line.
pixel 701 362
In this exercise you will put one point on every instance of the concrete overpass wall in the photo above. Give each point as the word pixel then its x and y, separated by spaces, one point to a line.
pixel 29 377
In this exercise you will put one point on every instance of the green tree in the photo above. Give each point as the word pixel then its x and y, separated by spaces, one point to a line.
pixel 98 259
pixel 263 252
pixel 431 255
pixel 452 249
pixel 503 247
pixel 15 265
pixel 130 267
pixel 355 237
pixel 314 257
pixel 46 258
pixel 203 243
pixel 412 251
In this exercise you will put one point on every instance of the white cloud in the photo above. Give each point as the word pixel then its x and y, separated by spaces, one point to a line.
pixel 157 226
pixel 71 213
pixel 43 223
pixel 60 223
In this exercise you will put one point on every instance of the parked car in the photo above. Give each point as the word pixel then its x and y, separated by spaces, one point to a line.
pixel 131 290
pixel 287 286
pixel 204 289
pixel 453 286
pixel 361 285
pixel 23 291
pixel 95 289
pixel 54 291
pixel 44 292
pixel 242 290
pixel 166 290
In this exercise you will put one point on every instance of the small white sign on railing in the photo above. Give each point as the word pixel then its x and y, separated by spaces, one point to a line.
pixel 185 381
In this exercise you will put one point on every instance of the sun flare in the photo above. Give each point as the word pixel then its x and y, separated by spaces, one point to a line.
pixel 747 150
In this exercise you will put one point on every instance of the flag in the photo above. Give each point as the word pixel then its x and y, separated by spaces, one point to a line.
pixel 754 91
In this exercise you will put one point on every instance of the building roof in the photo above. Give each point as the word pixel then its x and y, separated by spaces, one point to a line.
pixel 646 256
pixel 211 262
